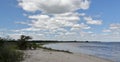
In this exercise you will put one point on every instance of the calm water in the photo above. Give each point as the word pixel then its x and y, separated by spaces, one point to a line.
pixel 104 50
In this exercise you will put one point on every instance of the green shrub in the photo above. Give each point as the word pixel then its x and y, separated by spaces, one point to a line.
pixel 22 45
pixel 10 55
pixel 1 42
pixel 34 45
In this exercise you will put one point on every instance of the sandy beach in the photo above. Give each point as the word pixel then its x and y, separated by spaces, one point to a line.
pixel 42 55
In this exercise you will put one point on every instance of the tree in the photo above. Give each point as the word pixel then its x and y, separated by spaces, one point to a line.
pixel 23 42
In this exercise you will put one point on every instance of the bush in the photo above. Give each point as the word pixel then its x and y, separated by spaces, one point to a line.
pixel 34 45
pixel 22 45
pixel 23 42
pixel 1 41
pixel 10 55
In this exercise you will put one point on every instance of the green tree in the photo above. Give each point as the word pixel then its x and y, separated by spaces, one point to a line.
pixel 23 42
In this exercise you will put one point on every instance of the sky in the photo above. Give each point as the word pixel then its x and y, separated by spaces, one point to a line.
pixel 81 20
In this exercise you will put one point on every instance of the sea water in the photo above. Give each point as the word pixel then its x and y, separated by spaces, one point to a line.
pixel 106 50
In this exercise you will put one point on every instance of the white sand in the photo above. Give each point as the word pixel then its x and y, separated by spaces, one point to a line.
pixel 53 56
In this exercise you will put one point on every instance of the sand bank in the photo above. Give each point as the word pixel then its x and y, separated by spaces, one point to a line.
pixel 42 55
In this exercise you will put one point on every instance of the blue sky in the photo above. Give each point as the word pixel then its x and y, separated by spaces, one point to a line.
pixel 102 19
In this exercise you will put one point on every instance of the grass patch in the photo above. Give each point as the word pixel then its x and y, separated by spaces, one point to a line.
pixel 10 55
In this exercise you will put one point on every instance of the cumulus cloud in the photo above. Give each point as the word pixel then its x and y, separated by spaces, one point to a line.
pixel 113 29
pixel 58 19
pixel 115 26
pixel 42 21
pixel 54 6
pixel 23 23
pixel 90 20
pixel 107 30
pixel 56 25
pixel 78 27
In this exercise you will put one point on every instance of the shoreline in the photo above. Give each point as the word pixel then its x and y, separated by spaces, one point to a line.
pixel 44 55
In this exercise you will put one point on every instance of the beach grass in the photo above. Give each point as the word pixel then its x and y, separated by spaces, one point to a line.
pixel 10 55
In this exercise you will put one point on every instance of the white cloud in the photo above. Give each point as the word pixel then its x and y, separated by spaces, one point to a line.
pixel 78 27
pixel 115 26
pixel 107 30
pixel 30 29
pixel 56 25
pixel 41 17
pixel 55 22
pixel 21 23
pixel 53 6
pixel 90 20
pixel 70 33
pixel 59 20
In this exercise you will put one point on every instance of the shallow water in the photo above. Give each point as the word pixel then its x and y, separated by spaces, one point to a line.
pixel 106 50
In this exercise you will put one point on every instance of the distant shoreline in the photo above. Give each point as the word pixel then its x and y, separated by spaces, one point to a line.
pixel 54 41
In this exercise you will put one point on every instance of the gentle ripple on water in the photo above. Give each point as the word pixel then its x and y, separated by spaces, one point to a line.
pixel 105 50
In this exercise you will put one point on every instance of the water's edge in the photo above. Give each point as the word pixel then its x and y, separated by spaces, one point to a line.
pixel 109 51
